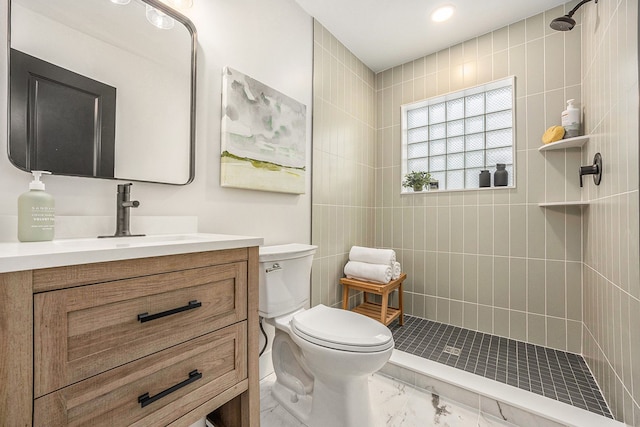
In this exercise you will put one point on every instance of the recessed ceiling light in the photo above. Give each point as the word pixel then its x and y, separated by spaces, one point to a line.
pixel 443 13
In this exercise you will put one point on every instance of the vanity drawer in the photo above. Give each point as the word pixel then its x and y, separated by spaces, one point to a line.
pixel 196 371
pixel 83 331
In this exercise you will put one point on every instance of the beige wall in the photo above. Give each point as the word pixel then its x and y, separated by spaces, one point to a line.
pixel 343 204
pixel 610 272
pixel 491 260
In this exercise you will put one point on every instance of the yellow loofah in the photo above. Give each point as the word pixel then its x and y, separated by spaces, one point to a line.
pixel 553 134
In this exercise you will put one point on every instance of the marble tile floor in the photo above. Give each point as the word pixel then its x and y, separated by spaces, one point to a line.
pixel 395 404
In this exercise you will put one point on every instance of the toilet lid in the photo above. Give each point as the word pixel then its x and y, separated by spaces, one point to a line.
pixel 341 330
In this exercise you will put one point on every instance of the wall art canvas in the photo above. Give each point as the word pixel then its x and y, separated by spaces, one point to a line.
pixel 263 137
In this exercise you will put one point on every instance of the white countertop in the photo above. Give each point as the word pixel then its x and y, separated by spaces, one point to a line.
pixel 57 253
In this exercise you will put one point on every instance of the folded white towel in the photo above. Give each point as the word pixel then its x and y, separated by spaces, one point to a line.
pixel 397 270
pixel 368 272
pixel 372 256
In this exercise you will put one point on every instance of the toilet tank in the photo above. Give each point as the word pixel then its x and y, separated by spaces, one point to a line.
pixel 285 278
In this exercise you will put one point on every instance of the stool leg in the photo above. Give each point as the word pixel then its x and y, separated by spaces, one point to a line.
pixel 383 307
pixel 345 297
pixel 400 306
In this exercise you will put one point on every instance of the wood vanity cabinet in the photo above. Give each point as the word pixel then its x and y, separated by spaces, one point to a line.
pixel 145 342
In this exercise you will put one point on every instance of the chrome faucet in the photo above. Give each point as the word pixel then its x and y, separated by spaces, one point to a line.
pixel 123 204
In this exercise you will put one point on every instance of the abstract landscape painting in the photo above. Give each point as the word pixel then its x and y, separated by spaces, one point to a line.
pixel 263 137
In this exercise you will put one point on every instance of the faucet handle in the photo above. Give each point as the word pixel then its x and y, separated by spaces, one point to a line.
pixel 588 170
pixel 595 169
pixel 125 191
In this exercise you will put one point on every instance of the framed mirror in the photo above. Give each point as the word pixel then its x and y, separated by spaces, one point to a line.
pixel 102 88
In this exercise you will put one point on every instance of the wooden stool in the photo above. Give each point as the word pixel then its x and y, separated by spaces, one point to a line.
pixel 381 312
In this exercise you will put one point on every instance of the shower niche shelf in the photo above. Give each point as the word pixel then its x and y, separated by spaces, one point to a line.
pixel 568 203
pixel 577 141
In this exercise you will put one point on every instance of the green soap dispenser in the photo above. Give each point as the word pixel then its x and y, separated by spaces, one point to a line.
pixel 36 212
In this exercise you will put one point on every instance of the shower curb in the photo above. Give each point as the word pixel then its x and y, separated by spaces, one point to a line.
pixel 497 400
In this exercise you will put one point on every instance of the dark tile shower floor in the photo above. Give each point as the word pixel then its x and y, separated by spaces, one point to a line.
pixel 544 371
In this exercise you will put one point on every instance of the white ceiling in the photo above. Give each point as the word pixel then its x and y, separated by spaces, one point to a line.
pixel 386 33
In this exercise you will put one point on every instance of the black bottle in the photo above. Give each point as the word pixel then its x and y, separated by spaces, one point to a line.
pixel 485 178
pixel 500 176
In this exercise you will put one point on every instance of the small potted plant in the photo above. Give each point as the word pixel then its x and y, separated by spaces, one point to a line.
pixel 416 180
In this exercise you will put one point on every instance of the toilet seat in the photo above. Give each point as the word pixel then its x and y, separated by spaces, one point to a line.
pixel 341 330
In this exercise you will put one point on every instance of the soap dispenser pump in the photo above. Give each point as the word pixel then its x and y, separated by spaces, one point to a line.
pixel 36 212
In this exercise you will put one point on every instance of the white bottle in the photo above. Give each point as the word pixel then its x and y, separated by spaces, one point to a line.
pixel 36 212
pixel 571 120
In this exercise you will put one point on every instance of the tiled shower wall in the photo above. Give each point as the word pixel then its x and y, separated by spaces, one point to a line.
pixel 343 205
pixel 492 260
pixel 611 273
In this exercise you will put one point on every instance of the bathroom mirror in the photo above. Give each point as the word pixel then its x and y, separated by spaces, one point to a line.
pixel 102 88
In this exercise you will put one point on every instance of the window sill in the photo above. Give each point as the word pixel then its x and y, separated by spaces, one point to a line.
pixel 508 187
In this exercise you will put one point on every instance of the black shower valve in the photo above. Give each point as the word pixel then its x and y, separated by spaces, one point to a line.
pixel 595 169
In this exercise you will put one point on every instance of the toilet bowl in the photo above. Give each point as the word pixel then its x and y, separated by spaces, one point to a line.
pixel 322 356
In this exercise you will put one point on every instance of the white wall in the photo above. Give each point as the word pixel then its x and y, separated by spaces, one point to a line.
pixel 269 41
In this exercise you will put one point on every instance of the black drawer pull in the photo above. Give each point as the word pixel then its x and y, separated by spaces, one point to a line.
pixel 145 317
pixel 145 399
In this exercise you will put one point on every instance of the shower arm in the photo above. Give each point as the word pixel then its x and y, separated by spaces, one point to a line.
pixel 575 9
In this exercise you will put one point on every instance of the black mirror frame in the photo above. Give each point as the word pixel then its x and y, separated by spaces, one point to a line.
pixel 192 104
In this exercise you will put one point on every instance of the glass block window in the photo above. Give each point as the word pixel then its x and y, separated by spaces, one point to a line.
pixel 454 137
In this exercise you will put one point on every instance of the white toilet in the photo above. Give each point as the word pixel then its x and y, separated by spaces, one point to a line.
pixel 322 356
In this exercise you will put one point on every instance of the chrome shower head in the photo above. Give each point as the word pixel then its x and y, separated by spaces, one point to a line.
pixel 563 23
pixel 566 22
